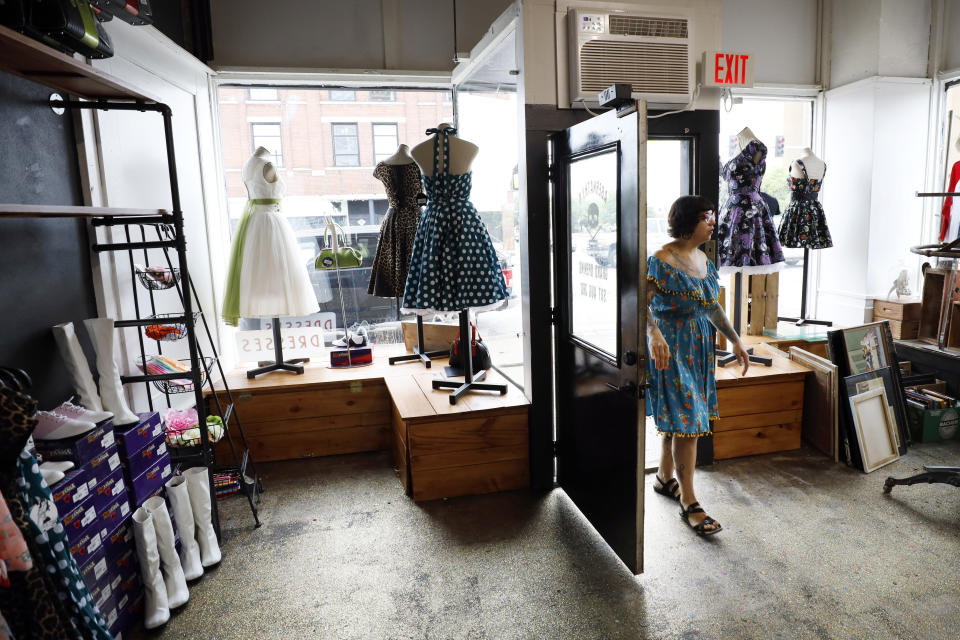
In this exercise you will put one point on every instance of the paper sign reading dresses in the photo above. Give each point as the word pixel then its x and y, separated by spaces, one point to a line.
pixel 724 69
pixel 302 337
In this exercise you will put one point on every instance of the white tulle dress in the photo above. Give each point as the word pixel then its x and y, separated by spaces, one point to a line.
pixel 267 277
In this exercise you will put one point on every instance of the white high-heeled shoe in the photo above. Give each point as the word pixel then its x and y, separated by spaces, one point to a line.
pixel 77 412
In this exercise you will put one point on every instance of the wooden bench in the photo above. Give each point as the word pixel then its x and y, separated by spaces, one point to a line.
pixel 476 446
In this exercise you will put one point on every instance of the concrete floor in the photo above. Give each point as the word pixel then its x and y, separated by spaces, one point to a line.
pixel 810 549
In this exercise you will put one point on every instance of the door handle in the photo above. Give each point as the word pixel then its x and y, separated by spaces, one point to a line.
pixel 629 388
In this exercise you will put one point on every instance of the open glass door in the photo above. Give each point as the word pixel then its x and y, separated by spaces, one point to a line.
pixel 599 205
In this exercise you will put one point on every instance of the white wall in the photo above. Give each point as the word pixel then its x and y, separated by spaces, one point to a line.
pixel 782 35
pixel 879 38
pixel 874 144
pixel 127 167
pixel 951 27
pixel 359 34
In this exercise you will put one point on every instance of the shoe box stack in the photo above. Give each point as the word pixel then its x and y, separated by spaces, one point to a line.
pixel 95 501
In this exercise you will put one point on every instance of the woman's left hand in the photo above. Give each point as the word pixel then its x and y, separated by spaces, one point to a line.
pixel 742 357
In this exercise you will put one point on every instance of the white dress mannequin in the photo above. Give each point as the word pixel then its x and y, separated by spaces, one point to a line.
pixel 462 154
pixel 267 277
pixel 816 168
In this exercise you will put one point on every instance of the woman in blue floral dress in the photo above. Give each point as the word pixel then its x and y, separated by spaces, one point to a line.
pixel 683 295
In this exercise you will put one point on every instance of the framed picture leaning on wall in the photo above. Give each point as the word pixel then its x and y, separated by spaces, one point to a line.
pixel 884 379
pixel 866 348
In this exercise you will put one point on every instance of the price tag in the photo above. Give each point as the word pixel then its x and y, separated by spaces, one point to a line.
pixel 94 544
pixel 100 568
pixel 124 509
pixel 88 517
pixel 108 440
pixel 81 493
pixel 114 461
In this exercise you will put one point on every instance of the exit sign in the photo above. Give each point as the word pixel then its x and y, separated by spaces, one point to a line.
pixel 723 69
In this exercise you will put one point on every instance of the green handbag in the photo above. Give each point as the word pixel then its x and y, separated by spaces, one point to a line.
pixel 336 256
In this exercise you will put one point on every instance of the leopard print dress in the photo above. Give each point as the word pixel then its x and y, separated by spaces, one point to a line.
pixel 50 599
pixel 392 260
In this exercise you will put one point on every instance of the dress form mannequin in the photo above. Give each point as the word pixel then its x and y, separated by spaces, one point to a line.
pixel 949 220
pixel 269 171
pixel 745 137
pixel 816 167
pixel 461 158
pixel 401 156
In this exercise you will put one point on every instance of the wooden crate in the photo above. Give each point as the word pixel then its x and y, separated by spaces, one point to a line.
pixel 322 420
pixel 903 316
pixel 931 299
pixel 761 412
pixel 479 445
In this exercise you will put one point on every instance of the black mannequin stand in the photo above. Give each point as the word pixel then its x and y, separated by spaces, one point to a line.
pixel 471 381
pixel 418 351
pixel 803 319
pixel 278 364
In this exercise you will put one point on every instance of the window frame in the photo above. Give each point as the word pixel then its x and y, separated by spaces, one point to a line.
pixel 334 136
pixel 373 136
pixel 391 95
pixel 352 92
pixel 275 98
pixel 276 155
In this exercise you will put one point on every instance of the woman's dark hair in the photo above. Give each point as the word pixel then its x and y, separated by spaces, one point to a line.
pixel 685 213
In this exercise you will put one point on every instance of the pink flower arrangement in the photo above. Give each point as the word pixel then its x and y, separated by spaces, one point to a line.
pixel 179 421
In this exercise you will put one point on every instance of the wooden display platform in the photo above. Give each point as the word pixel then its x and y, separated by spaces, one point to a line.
pixel 479 445
pixel 761 412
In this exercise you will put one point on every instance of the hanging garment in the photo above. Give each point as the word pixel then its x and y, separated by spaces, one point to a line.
pixel 267 276
pixel 949 224
pixel 13 548
pixel 51 597
pixel 683 397
pixel 746 237
pixel 804 225
pixel 389 273
pixel 453 265
pixel 5 632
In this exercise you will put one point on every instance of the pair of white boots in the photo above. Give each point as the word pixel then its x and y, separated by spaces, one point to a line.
pixel 101 331
pixel 164 573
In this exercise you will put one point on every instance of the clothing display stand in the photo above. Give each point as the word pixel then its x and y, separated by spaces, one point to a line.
pixel 471 381
pixel 278 364
pixel 803 319
pixel 101 92
pixel 419 353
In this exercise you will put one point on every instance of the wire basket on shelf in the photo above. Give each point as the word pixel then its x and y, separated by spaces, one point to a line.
pixel 183 429
pixel 157 278
pixel 157 364
pixel 168 331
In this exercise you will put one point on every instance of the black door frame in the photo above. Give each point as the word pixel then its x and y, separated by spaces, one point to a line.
pixel 541 121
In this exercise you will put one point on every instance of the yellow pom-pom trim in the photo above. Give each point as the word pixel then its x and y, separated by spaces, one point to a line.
pixel 693 293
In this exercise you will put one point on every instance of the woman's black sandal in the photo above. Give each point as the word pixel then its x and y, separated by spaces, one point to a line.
pixel 670 488
pixel 701 528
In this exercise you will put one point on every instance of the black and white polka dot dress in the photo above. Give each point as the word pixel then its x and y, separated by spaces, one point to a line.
pixel 453 265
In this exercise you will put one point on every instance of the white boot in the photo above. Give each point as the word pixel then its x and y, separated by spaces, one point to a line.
pixel 183 514
pixel 111 389
pixel 156 607
pixel 198 486
pixel 77 365
pixel 177 593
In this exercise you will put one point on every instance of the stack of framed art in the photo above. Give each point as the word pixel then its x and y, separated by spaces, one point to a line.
pixel 872 426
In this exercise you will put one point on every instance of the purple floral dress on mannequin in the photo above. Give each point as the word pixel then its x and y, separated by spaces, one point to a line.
pixel 746 236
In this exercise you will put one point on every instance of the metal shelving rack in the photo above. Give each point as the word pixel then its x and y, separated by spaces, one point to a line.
pixel 92 89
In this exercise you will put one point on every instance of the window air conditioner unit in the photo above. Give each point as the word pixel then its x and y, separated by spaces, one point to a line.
pixel 650 52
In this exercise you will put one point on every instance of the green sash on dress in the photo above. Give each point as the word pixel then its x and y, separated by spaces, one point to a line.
pixel 231 297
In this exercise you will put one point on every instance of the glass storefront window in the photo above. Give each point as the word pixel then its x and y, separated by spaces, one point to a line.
pixel 487 115
pixel 330 146
pixel 786 128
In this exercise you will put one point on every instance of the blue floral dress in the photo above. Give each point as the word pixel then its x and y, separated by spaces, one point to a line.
pixel 683 397
pixel 453 265
pixel 746 236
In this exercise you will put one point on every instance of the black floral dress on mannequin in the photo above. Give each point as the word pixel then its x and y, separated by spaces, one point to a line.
pixel 55 602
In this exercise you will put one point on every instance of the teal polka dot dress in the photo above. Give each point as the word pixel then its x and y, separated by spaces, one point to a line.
pixel 683 397
pixel 453 265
